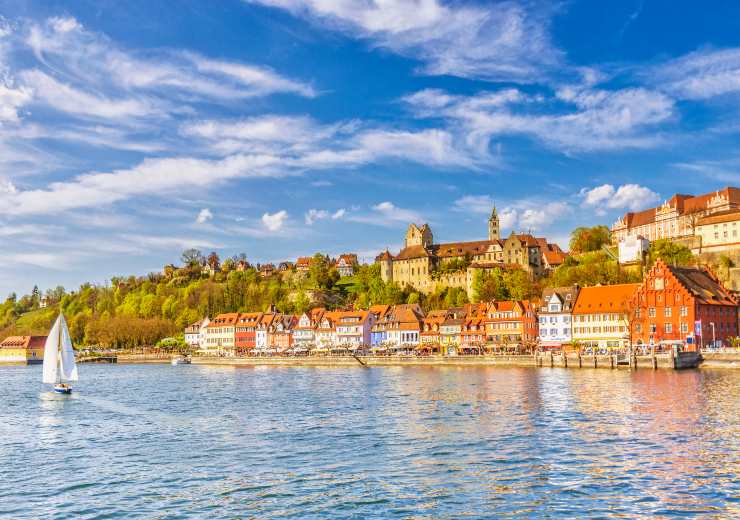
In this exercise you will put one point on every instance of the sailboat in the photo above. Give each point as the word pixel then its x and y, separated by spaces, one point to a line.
pixel 59 358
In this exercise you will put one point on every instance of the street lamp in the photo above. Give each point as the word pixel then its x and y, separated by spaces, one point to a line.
pixel 714 341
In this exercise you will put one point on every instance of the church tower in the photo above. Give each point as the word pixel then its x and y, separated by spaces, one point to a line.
pixel 494 230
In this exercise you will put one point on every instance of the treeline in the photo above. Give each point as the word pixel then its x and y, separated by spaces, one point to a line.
pixel 135 311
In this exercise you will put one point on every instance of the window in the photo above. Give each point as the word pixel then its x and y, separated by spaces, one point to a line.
pixel 668 327
pixel 684 310
pixel 638 327
pixel 667 312
pixel 653 328
pixel 651 312
pixel 637 313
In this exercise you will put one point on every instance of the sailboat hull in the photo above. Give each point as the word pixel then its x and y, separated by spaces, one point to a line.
pixel 63 389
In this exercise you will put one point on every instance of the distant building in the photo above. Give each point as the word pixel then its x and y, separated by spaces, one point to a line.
pixel 245 332
pixel 601 316
pixel 674 304
pixel 511 322
pixel 352 328
pixel 220 339
pixel 285 266
pixel 346 264
pixel 555 316
pixel 404 325
pixel 195 333
pixel 303 264
pixel 675 218
pixel 266 270
pixel 22 350
pixel 633 249
pixel 424 265
pixel 719 232
pixel 381 323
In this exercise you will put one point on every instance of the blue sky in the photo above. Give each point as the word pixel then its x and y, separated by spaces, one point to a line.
pixel 130 131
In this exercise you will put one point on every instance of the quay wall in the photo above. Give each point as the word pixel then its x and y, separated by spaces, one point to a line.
pixel 729 360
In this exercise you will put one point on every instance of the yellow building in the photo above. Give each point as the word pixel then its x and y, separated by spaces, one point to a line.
pixel 601 316
pixel 425 266
pixel 719 232
pixel 22 350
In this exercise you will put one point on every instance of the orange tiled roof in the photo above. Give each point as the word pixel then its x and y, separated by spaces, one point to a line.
pixel 718 218
pixel 605 298
pixel 23 342
pixel 228 318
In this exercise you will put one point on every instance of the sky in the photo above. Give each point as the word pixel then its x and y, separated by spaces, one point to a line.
pixel 130 131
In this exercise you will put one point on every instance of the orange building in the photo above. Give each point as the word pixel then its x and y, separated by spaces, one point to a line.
pixel 22 350
pixel 601 316
pixel 511 321
pixel 681 304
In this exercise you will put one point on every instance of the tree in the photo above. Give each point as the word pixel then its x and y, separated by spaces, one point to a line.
pixel 192 257
pixel 586 239
pixel 670 252
pixel 213 261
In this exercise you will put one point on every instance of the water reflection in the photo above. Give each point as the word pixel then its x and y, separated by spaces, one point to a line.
pixel 381 442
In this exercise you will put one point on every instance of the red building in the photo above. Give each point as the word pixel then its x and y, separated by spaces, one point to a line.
pixel 674 304
pixel 245 333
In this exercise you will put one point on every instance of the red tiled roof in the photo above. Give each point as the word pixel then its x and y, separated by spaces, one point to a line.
pixel 24 342
pixel 604 298
pixel 718 218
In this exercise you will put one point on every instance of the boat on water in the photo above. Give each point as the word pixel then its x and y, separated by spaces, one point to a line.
pixel 180 360
pixel 60 367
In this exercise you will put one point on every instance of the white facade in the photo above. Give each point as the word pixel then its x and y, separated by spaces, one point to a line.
pixel 195 334
pixel 304 333
pixel 632 249
pixel 555 325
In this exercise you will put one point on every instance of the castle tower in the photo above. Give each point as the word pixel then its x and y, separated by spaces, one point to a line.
pixel 494 230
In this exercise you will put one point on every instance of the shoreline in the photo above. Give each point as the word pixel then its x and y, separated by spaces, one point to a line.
pixel 714 360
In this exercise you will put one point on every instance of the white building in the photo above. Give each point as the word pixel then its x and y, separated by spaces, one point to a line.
pixel 555 316
pixel 633 249
pixel 195 333
pixel 353 328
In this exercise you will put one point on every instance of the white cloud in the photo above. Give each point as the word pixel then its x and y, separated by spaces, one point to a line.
pixel 312 215
pixel 11 99
pixel 726 171
pixel 501 41
pixel 338 214
pixel 481 204
pixel 597 195
pixel 385 214
pixel 151 177
pixel 204 216
pixel 595 120
pixel 7 187
pixel 520 215
pixel 699 75
pixel 65 98
pixel 628 196
pixel 274 222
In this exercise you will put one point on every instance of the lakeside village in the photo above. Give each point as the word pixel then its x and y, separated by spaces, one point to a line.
pixel 674 307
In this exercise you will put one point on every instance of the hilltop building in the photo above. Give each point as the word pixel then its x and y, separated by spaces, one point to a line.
pixel 425 265
pixel 677 217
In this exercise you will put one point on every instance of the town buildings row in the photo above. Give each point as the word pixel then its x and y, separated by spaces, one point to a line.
pixel 426 266
pixel 673 305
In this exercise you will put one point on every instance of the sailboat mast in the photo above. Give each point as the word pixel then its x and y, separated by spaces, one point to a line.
pixel 59 355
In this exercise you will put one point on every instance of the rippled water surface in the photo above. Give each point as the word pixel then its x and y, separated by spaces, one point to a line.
pixel 200 442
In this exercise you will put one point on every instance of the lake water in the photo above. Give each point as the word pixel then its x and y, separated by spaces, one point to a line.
pixel 205 442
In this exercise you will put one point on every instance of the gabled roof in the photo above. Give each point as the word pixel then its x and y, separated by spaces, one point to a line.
pixel 566 295
pixel 23 342
pixel 453 249
pixel 605 298
pixel 228 318
pixel 412 252
pixel 703 285
pixel 719 218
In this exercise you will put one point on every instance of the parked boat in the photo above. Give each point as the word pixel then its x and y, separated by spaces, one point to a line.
pixel 60 367
pixel 180 360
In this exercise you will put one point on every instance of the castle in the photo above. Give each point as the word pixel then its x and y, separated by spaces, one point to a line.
pixel 424 265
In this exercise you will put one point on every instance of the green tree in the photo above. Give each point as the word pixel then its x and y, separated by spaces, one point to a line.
pixel 670 252
pixel 586 239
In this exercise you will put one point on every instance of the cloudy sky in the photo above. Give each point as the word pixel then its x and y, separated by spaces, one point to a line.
pixel 132 130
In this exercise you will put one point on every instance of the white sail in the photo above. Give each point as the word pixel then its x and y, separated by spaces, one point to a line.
pixel 68 365
pixel 51 354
